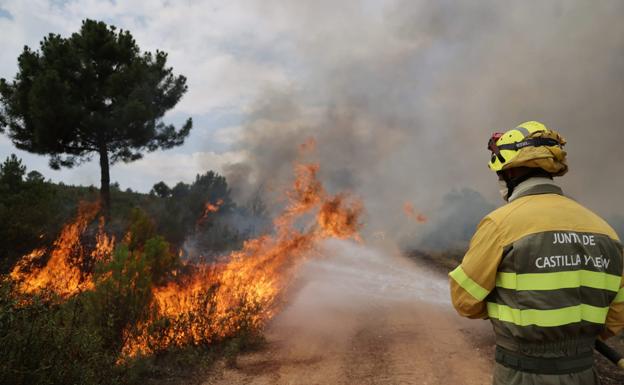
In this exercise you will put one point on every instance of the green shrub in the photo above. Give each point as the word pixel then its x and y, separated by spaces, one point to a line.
pixel 47 342
pixel 121 297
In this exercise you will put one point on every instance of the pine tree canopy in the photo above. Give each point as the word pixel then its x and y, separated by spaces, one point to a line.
pixel 92 93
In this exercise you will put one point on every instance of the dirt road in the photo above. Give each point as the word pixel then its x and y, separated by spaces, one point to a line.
pixel 382 323
pixel 405 345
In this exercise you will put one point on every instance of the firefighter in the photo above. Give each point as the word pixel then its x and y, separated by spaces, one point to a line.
pixel 545 270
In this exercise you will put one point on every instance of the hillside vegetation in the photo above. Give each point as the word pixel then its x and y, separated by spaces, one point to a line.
pixel 48 338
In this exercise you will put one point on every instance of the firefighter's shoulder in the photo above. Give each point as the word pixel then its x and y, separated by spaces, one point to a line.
pixel 548 212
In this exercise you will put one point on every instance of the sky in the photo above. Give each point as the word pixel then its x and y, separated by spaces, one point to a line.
pixel 221 47
pixel 400 95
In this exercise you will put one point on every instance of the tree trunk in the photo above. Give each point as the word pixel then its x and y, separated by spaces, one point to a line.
pixel 105 182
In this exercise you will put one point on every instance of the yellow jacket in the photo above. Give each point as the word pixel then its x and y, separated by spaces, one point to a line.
pixel 542 268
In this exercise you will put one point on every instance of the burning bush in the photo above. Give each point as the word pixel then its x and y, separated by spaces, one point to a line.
pixel 121 296
pixel 214 302
pixel 137 298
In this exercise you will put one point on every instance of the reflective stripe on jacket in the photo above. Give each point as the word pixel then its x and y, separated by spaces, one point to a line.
pixel 544 269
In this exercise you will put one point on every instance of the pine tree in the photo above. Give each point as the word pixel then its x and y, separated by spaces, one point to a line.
pixel 93 93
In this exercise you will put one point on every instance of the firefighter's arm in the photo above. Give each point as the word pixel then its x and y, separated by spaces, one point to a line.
pixel 615 317
pixel 475 278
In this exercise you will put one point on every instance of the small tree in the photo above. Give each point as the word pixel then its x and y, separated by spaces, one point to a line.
pixel 35 177
pixel 161 189
pixel 91 93
pixel 12 173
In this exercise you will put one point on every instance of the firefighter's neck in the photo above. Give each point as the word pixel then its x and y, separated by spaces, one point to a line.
pixel 529 184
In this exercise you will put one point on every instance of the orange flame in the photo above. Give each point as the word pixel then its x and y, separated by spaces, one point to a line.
pixel 411 213
pixel 209 208
pixel 63 273
pixel 206 302
pixel 216 301
pixel 308 146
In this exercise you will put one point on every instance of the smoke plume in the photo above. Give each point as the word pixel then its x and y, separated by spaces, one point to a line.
pixel 401 97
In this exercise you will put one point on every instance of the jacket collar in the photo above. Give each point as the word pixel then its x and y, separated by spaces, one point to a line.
pixel 535 186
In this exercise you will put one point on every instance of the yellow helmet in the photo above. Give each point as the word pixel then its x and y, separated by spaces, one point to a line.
pixel 531 144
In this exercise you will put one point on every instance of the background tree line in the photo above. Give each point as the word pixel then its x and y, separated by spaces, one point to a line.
pixel 33 211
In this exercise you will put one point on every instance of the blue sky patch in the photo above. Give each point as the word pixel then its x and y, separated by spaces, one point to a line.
pixel 4 14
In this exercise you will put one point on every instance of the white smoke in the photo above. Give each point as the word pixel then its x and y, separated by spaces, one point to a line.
pixel 402 96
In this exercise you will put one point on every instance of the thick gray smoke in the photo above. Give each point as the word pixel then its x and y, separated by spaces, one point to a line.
pixel 402 96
